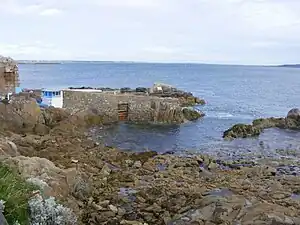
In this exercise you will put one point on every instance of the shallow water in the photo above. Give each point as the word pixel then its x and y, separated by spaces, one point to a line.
pixel 235 94
pixel 167 139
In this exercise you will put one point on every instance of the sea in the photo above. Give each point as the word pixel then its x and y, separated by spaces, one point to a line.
pixel 234 94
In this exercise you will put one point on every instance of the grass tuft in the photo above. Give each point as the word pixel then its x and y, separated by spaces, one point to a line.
pixel 15 192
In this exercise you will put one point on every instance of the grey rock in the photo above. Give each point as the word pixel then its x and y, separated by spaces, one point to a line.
pixel 137 164
pixel 294 113
pixel 2 219
pixel 113 208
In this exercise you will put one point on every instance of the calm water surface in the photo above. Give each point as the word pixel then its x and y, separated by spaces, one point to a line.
pixel 235 94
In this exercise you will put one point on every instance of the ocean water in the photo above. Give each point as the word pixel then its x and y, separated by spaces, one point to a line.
pixel 234 94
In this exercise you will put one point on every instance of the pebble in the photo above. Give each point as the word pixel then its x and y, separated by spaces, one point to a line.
pixel 121 211
pixel 96 207
pixel 113 208
pixel 104 203
pixel 137 164
pixel 129 162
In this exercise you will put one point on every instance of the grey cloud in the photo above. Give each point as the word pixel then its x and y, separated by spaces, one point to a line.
pixel 227 31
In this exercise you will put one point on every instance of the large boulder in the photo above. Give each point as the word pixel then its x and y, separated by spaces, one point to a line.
pixel 52 116
pixel 21 115
pixel 162 88
pixel 294 113
pixel 293 119
pixel 42 172
pixel 8 147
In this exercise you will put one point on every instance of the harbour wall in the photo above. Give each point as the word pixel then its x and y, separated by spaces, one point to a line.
pixel 140 107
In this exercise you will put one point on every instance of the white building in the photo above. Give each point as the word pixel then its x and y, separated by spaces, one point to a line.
pixel 52 98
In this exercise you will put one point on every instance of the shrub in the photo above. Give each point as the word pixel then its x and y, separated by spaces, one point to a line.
pixel 49 212
pixel 14 195
pixel 20 207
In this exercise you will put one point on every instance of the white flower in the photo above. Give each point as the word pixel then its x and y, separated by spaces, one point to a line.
pixel 2 205
pixel 50 212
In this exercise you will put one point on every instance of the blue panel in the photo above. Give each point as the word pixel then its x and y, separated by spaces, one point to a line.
pixel 18 90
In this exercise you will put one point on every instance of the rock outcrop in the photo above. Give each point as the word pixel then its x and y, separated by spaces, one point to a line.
pixel 8 65
pixel 242 131
pixel 52 180
pixel 191 114
pixel 22 114
pixel 292 121
pixel 9 75
pixel 168 91
pixel 8 147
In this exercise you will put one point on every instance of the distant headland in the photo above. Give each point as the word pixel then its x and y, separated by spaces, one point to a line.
pixel 38 62
pixel 290 65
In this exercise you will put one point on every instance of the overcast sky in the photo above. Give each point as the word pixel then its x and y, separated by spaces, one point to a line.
pixel 208 31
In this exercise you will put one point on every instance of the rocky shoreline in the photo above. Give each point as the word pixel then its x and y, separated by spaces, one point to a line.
pixel 99 185
pixel 103 185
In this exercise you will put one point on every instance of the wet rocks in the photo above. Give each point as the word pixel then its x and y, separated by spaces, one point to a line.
pixel 191 114
pixel 269 123
pixel 292 121
pixel 191 101
pixel 242 131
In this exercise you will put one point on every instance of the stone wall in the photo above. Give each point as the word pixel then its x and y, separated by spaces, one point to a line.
pixel 142 108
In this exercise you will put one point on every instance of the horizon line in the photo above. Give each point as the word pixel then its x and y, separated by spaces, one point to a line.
pixel 38 61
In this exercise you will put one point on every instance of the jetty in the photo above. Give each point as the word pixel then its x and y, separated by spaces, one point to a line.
pixel 160 103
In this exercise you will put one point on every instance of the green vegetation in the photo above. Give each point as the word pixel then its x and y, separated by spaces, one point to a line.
pixel 15 192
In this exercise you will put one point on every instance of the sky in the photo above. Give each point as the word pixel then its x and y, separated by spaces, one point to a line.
pixel 204 31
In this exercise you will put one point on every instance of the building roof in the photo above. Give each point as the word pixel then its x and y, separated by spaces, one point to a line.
pixel 51 90
pixel 84 90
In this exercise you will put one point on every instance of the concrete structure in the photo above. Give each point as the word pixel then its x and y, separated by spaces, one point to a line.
pixel 52 98
pixel 114 106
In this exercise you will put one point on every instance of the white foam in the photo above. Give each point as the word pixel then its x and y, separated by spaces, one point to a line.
pixel 225 115
pixel 219 115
